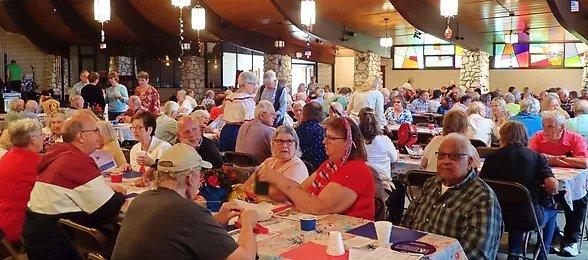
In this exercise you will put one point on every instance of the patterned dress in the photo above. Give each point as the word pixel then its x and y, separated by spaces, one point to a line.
pixel 149 99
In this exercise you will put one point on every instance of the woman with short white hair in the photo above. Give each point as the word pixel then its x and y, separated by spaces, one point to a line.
pixel 479 127
pixel 529 116
pixel 368 95
pixel 551 102
pixel 499 112
pixel 135 107
pixel 52 133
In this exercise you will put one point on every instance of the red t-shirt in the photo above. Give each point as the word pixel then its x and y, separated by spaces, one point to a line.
pixel 18 172
pixel 354 175
pixel 215 112
pixel 570 142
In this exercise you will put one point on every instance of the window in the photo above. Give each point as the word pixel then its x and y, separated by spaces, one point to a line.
pixel 408 57
pixel 540 55
pixel 575 54
pixel 546 54
pixel 511 55
pixel 430 52
pixel 229 68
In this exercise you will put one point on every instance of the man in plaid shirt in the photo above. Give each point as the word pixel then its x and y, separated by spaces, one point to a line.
pixel 456 203
pixel 422 104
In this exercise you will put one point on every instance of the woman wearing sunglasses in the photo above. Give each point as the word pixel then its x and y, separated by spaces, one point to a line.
pixel 398 114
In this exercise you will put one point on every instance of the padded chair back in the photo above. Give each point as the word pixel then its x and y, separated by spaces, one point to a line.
pixel 380 196
pixel 478 143
pixel 485 151
pixel 241 159
pixel 84 239
pixel 415 180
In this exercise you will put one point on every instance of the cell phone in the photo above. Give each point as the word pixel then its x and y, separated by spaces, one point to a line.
pixel 261 187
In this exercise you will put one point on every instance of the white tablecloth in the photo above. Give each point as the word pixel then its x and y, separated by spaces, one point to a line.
pixel 123 132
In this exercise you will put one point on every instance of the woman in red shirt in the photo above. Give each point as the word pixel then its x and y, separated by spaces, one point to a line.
pixel 18 173
pixel 343 184
pixel 148 94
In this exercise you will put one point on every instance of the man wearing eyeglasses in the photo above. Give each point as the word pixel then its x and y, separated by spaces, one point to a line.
pixel 255 137
pixel 190 133
pixel 69 185
pixel 456 203
pixel 276 94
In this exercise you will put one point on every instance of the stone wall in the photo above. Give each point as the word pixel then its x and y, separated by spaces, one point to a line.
pixel 193 75
pixel 366 64
pixel 123 65
pixel 19 48
pixel 475 70
pixel 584 81
pixel 281 65
pixel 52 74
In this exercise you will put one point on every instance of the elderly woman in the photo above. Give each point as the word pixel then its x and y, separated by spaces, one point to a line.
pixel 368 95
pixel 398 113
pixel 117 96
pixel 167 125
pixel 311 135
pixel 579 123
pixel 208 102
pixel 23 158
pixel 499 113
pixel 480 128
pixel 517 163
pixel 52 133
pixel 15 107
pixel 148 94
pixel 149 148
pixel 187 103
pixel 135 107
pixel 529 116
pixel 551 103
pixel 455 121
pixel 109 143
pixel 285 161
pixel 342 185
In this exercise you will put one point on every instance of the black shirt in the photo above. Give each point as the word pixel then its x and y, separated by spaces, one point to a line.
pixel 210 153
pixel 93 96
pixel 160 224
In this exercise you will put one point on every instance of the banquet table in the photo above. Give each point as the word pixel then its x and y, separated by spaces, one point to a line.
pixel 573 181
pixel 420 130
pixel 123 132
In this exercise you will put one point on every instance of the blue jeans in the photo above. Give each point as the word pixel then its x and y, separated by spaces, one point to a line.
pixel 548 219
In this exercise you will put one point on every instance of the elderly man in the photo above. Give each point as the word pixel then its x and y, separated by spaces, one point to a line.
pixel 422 103
pixel 16 106
pixel 463 104
pixel 187 103
pixel 564 99
pixel 511 106
pixel 579 123
pixel 276 94
pixel 166 129
pixel 76 89
pixel 134 108
pixel 564 148
pixel 30 110
pixel 456 203
pixel 238 108
pixel 190 133
pixel 255 137
pixel 529 116
pixel 69 185
pixel 173 226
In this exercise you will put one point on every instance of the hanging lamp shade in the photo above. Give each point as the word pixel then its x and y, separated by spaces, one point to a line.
pixel 198 18
pixel 386 42
pixel 307 12
pixel 448 8
pixel 102 10
pixel 511 37
pixel 180 3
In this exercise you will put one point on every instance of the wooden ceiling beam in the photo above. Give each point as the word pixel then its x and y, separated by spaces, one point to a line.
pixel 19 16
pixel 76 22
pixel 329 31
pixel 575 23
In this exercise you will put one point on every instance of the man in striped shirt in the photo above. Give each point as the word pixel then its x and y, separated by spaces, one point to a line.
pixel 456 203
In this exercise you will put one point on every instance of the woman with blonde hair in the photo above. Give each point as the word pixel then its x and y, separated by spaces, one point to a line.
pixel 551 102
pixel 109 143
pixel 500 114
pixel 368 95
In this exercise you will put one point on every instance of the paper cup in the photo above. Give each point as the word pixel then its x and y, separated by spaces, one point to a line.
pixel 116 178
pixel 307 222
pixel 335 245
pixel 383 230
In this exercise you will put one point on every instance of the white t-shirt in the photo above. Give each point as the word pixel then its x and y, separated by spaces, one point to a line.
pixel 481 128
pixel 433 147
pixel 372 98
pixel 156 149
pixel 380 154
pixel 189 104
pixel 238 107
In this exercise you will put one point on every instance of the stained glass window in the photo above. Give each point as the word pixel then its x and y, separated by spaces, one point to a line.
pixel 439 49
pixel 511 55
pixel 547 54
pixel 575 54
pixel 408 57
pixel 458 56
pixel 439 61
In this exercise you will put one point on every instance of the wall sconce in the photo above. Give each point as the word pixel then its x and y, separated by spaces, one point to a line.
pixel 298 54
pixel 279 43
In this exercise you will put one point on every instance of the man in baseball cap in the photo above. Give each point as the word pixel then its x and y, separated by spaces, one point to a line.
pixel 173 226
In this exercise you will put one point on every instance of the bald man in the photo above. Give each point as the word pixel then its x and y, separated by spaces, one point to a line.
pixel 69 185
pixel 190 133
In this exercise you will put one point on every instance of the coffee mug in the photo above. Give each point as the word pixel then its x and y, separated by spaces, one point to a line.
pixel 307 222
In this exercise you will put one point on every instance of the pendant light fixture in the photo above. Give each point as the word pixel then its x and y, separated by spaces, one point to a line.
pixel 512 36
pixel 102 15
pixel 449 9
pixel 386 41
pixel 308 13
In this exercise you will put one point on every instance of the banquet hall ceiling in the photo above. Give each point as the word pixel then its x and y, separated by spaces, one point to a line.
pixel 54 24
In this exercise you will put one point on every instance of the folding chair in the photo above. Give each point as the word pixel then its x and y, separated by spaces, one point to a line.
pixel 518 212
pixel 484 151
pixel 88 242
pixel 241 159
pixel 379 197
pixel 415 179
pixel 8 247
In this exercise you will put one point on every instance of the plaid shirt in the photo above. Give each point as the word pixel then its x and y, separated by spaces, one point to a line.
pixel 468 212
pixel 420 106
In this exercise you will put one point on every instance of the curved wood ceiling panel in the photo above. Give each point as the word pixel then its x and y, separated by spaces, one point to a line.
pixel 7 23
pixel 45 15
pixel 114 28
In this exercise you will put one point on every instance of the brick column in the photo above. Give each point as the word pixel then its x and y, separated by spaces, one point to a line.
pixel 366 64
pixel 281 65
pixel 193 75
pixel 475 70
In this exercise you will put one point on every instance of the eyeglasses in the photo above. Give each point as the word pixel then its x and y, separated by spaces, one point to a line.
pixel 97 130
pixel 331 138
pixel 396 101
pixel 133 128
pixel 452 156
pixel 286 142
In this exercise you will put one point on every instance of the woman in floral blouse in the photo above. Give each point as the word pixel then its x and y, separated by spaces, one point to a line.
pixel 398 113
pixel 52 133
pixel 148 94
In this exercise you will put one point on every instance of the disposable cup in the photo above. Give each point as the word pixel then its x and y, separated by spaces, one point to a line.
pixel 383 230
pixel 116 178
pixel 335 246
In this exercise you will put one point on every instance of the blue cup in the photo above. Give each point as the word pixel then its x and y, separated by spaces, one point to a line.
pixel 307 222
pixel 114 122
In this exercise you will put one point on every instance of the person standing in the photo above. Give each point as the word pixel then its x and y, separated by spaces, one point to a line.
pixel 117 96
pixel 148 94
pixel 93 94
pixel 76 89
pixel 14 76
pixel 275 93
